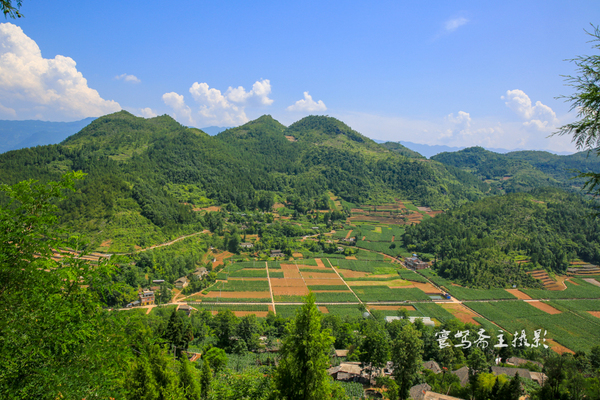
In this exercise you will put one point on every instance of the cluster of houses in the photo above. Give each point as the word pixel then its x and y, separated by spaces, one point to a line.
pixel 414 263
pixel 353 372
pixel 183 282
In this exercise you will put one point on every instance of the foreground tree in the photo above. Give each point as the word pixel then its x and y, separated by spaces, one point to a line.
pixel 585 131
pixel 54 335
pixel 302 371
pixel 407 353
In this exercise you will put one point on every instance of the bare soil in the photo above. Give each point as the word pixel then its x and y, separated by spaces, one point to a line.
pixel 518 294
pixel 290 291
pixel 595 313
pixel 323 309
pixel 348 234
pixel 319 263
pixel 544 307
pixel 558 348
pixel 348 273
pixel 333 281
pixel 286 282
pixel 319 275
pixel 459 311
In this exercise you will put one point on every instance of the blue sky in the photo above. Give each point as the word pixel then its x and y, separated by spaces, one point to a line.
pixel 458 73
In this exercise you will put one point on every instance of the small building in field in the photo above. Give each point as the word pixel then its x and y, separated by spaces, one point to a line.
pixel 182 282
pixel 146 297
pixel 426 320
pixel 277 253
pixel 201 272
pixel 415 263
pixel 246 245
pixel 432 366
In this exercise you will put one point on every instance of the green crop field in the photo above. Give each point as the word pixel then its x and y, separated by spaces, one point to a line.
pixel 335 297
pixel 350 310
pixel 275 274
pixel 324 271
pixel 327 287
pixel 462 293
pixel 361 266
pixel 568 328
pixel 384 293
pixel 580 290
pixel 249 273
pixel 433 310
pixel 240 286
pixel 228 300
pixel 409 275
pixel 286 311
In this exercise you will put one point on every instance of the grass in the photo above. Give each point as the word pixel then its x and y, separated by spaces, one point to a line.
pixel 249 273
pixel 324 271
pixel 345 310
pixel 462 293
pixel 411 276
pixel 276 274
pixel 286 311
pixel 288 299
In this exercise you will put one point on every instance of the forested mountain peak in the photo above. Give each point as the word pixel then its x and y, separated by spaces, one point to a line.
pixel 328 131
pixel 402 150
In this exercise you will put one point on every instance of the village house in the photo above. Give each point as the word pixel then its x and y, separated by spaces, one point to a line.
pixel 417 392
pixel 414 263
pixel 426 320
pixel 537 377
pixel 432 366
pixel 200 272
pixel 277 253
pixel 146 297
pixel 246 245
pixel 516 361
pixel 182 282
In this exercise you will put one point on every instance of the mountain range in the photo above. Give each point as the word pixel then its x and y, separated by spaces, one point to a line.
pixel 146 176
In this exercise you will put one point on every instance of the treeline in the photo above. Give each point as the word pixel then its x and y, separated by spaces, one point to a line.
pixel 494 241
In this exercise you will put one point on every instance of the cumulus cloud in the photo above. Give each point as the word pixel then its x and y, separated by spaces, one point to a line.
pixel 307 104
pixel 217 108
pixel 147 113
pixel 33 87
pixel 453 24
pixel 538 116
pixel 128 78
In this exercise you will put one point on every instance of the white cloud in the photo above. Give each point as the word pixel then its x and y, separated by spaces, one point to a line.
pixel 147 113
pixel 128 78
pixel 538 116
pixel 34 87
pixel 216 108
pixel 455 130
pixel 307 105
pixel 181 111
pixel 455 23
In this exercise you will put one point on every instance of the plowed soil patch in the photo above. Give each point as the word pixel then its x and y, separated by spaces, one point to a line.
pixel 290 291
pixel 544 307
pixel 260 314
pixel 220 257
pixel 351 258
pixel 283 282
pixel 323 309
pixel 348 234
pixel 595 313
pixel 319 263
pixel 336 281
pixel 305 267
pixel 396 284
pixel 347 273
pixel 297 255
pixel 331 291
pixel 238 295
pixel 291 274
pixel 571 281
pixel 558 348
pixel 460 312
pixel 319 275
pixel 592 281
pixel 407 308
pixel 211 208
pixel 518 294
pixel 426 287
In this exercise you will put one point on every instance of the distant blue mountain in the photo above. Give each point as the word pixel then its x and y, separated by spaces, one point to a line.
pixel 16 135
pixel 214 130
pixel 430 151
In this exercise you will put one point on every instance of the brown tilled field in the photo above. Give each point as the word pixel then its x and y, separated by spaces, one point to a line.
pixel 595 313
pixel 285 282
pixel 319 263
pixel 290 291
pixel 259 314
pixel 518 294
pixel 348 273
pixel 334 281
pixel 558 348
pixel 323 309
pixel 319 275
pixel 544 307
pixel 459 311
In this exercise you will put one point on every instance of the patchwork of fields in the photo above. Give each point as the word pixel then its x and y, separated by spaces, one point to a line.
pixel 570 317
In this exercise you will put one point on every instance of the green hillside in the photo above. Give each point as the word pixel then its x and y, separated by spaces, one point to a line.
pixel 403 150
pixel 494 241
pixel 522 170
